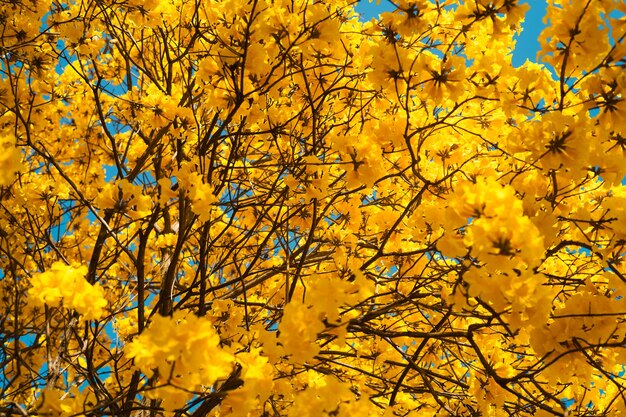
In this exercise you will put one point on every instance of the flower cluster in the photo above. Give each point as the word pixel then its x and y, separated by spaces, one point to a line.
pixel 184 352
pixel 65 285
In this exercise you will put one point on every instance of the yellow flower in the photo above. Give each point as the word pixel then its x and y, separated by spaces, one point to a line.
pixel 10 160
pixel 58 403
pixel 184 350
pixel 66 285
pixel 298 332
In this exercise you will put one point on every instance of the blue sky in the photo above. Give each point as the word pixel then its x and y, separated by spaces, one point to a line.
pixel 527 44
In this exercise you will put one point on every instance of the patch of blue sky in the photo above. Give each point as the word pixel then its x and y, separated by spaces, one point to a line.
pixel 62 228
pixel 110 172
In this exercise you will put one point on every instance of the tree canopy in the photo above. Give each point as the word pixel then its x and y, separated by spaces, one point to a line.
pixel 272 208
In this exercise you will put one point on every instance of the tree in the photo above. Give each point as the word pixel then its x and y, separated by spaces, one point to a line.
pixel 272 208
